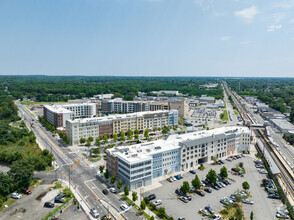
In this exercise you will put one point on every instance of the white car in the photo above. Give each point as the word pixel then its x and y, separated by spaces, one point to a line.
pixel 247 201
pixel 204 211
pixel 123 206
pixel 157 202
pixel 15 195
pixel 94 213
pixel 262 171
pixel 284 214
pixel 112 190
pixel 216 217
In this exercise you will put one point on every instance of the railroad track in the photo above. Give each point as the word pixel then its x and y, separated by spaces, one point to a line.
pixel 286 174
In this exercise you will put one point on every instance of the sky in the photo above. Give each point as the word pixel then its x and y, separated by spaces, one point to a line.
pixel 147 37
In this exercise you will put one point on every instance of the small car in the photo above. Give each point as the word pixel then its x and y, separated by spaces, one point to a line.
pixel 151 197
pixel 26 191
pixel 192 171
pixel 16 195
pixel 157 202
pixel 189 198
pixel 209 209
pixel 247 201
pixel 94 213
pixel 48 205
pixel 200 193
pixel 208 190
pixel 216 217
pixel 215 187
pixel 179 192
pixel 123 206
pixel 112 189
pixel 105 191
pixel 58 200
pixel 204 212
pixel 184 199
pixel 106 217
pixel 61 195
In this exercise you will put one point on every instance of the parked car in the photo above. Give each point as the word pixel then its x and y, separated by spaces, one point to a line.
pixel 229 159
pixel 284 214
pixel 179 192
pixel 262 171
pixel 204 212
pixel 226 201
pixel 58 200
pixel 247 201
pixel 184 199
pixel 105 191
pixel 273 195
pixel 151 197
pixel 94 213
pixel 216 217
pixel 61 195
pixel 16 195
pixel 123 206
pixel 200 193
pixel 215 186
pixel 189 198
pixel 206 182
pixel 26 191
pixel 181 218
pixel 221 161
pixel 170 179
pixel 48 205
pixel 178 177
pixel 192 171
pixel 157 202
pixel 219 185
pixel 209 209
pixel 223 185
pixel 208 190
pixel 106 217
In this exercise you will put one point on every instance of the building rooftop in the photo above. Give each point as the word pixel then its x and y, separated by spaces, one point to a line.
pixel 145 151
pixel 57 109
pixel 81 104
pixel 119 116
pixel 283 124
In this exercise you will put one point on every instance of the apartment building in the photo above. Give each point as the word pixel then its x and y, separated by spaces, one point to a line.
pixel 120 106
pixel 56 115
pixel 137 165
pixel 94 127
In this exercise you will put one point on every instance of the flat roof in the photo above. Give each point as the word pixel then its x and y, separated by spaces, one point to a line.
pixel 144 151
pixel 57 109
pixel 283 123
pixel 120 116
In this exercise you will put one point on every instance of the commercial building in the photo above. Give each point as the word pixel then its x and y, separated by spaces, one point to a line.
pixel 95 127
pixel 282 125
pixel 166 92
pixel 137 165
pixel 57 115
pixel 206 99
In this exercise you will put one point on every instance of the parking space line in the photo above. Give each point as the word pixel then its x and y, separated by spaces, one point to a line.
pixel 64 209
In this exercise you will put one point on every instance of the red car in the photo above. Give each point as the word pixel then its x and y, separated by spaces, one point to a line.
pixel 26 191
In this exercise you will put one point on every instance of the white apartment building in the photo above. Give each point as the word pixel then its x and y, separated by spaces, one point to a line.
pixel 84 110
pixel 137 165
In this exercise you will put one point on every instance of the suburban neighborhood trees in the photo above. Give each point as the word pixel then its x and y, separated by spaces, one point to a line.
pixel 185 187
pixel 211 176
pixel 223 172
pixel 196 182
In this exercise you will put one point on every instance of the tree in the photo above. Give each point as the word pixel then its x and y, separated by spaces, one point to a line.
pixel 122 136
pixel 196 182
pixel 119 184
pixel 6 184
pixel 223 172
pixel 83 140
pixel 134 196
pixel 239 213
pixel 112 179
pixel 240 164
pixel 115 137
pixel 88 144
pixel 91 139
pixel 211 176
pixel 96 151
pixel 98 142
pixel 161 212
pixel 214 159
pixel 101 168
pixel 146 200
pixel 106 174
pixel 151 218
pixel 185 187
pixel 126 191
pixel 129 134
pixel 245 185
pixel 105 139
pixel 143 205
pixel 251 215
pixel 165 129
pixel 137 136
pixel 21 172
pixel 136 131
pixel 146 133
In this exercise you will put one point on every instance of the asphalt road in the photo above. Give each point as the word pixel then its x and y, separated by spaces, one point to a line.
pixel 81 175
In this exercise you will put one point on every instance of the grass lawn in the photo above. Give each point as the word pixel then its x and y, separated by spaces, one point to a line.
pixel 9 202
pixel 225 116
pixel 236 112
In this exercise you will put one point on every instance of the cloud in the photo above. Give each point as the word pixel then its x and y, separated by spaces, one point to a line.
pixel 225 38
pixel 245 42
pixel 273 28
pixel 286 5
pixel 247 14
pixel 278 17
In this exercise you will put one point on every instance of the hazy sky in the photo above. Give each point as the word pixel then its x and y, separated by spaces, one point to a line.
pixel 147 37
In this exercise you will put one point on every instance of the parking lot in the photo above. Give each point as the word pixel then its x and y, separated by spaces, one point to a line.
pixel 263 208
pixel 31 206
